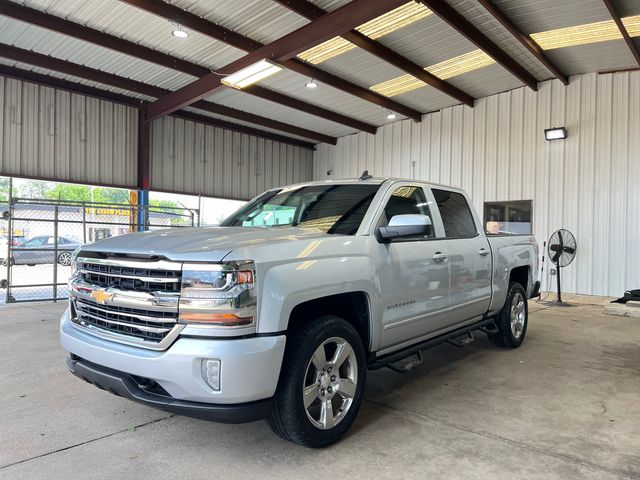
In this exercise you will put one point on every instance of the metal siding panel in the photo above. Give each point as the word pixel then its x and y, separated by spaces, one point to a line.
pixel 497 151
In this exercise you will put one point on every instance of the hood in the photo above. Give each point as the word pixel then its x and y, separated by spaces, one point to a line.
pixel 207 244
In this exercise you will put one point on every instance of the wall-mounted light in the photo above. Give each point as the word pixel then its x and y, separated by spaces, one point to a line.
pixel 555 133
pixel 251 74
pixel 391 116
pixel 311 84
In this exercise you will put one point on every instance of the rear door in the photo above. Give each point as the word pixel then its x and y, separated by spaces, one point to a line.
pixel 469 256
pixel 414 280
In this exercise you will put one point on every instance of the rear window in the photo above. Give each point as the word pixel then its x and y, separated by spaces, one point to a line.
pixel 456 214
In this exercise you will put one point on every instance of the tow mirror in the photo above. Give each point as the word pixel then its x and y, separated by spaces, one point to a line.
pixel 405 226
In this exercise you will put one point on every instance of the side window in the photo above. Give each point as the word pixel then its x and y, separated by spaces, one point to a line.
pixel 455 213
pixel 36 242
pixel 407 200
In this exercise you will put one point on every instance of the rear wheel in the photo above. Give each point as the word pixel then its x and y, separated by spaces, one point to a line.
pixel 512 319
pixel 321 384
pixel 8 261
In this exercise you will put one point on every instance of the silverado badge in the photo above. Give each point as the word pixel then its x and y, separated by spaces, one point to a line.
pixel 101 296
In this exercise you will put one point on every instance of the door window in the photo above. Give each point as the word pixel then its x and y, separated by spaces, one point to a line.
pixel 35 242
pixel 407 200
pixel 456 214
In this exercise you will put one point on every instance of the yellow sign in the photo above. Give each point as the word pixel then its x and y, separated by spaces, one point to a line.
pixel 101 296
pixel 122 212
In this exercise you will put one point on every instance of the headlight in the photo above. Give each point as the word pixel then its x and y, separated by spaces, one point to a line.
pixel 218 294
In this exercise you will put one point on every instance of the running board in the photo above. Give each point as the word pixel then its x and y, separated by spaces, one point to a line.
pixel 395 357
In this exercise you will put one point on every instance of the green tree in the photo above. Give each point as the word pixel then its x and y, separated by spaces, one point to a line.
pixel 4 189
pixel 34 189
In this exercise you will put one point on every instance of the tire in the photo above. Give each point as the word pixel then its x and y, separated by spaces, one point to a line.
pixel 64 259
pixel 513 319
pixel 6 262
pixel 302 371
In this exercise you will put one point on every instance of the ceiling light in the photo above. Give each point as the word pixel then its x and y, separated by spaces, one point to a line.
pixel 587 33
pixel 443 70
pixel 179 32
pixel 311 84
pixel 251 74
pixel 391 116
pixel 378 27
pixel 555 133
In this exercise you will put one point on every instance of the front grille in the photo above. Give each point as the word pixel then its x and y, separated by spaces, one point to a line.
pixel 130 278
pixel 143 324
pixel 129 301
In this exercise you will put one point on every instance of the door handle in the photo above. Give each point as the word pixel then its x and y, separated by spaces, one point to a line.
pixel 483 252
pixel 438 256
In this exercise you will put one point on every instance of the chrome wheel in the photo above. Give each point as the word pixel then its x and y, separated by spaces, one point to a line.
pixel 330 383
pixel 518 315
pixel 64 259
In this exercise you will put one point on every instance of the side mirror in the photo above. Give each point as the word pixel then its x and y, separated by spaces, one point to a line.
pixel 405 226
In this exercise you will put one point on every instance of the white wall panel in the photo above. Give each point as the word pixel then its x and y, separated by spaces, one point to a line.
pixel 589 183
pixel 202 159
pixel 48 133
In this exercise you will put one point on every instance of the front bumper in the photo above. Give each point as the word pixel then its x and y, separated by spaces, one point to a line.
pixel 126 386
pixel 249 367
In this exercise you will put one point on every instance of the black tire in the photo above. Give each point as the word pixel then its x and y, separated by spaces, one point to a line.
pixel 6 262
pixel 289 418
pixel 507 336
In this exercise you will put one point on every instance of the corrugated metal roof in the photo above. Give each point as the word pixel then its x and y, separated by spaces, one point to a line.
pixel 242 101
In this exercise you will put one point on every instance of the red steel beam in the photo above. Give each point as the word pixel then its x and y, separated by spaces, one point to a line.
pixel 328 26
pixel 73 87
pixel 451 16
pixel 526 41
pixel 69 68
pixel 623 30
pixel 312 12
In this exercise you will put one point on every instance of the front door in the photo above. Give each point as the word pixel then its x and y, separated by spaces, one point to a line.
pixel 414 285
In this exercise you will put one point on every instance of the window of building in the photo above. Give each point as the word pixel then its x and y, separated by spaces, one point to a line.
pixel 456 214
pixel 508 217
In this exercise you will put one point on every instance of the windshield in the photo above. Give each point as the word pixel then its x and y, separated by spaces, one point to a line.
pixel 332 208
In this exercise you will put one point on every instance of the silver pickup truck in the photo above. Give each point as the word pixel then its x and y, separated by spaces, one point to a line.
pixel 279 312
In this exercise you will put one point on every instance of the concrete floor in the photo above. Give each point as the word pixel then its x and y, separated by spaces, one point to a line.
pixel 565 405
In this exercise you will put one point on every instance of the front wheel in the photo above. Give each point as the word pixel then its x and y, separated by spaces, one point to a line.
pixel 64 259
pixel 321 384
pixel 513 318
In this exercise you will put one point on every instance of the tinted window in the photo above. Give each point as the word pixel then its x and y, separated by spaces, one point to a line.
pixel 455 213
pixel 408 200
pixel 332 208
pixel 35 242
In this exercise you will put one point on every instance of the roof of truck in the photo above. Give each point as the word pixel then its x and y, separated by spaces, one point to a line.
pixel 370 181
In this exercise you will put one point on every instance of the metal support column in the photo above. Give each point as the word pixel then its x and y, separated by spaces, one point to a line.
pixel 143 209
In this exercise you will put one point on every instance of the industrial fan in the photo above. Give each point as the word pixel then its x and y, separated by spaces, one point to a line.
pixel 562 250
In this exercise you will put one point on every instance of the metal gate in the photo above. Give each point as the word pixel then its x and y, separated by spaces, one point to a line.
pixel 41 236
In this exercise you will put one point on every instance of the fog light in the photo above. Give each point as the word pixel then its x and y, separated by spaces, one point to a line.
pixel 211 373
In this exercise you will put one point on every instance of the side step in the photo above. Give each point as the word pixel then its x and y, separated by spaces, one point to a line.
pixel 462 341
pixel 486 324
pixel 412 362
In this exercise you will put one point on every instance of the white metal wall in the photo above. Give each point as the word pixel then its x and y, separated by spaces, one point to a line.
pixel 589 183
pixel 192 157
pixel 50 133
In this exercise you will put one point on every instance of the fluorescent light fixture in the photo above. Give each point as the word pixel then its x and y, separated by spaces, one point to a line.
pixel 179 32
pixel 311 84
pixel 391 116
pixel 443 70
pixel 555 133
pixel 251 74
pixel 585 34
pixel 378 27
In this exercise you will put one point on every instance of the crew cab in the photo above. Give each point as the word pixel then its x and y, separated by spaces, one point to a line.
pixel 279 312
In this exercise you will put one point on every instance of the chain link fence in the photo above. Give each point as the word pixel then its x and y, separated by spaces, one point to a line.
pixel 38 237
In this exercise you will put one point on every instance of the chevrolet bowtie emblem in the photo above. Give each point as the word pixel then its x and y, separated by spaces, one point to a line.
pixel 101 296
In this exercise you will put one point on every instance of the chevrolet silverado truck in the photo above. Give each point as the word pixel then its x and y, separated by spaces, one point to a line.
pixel 279 312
